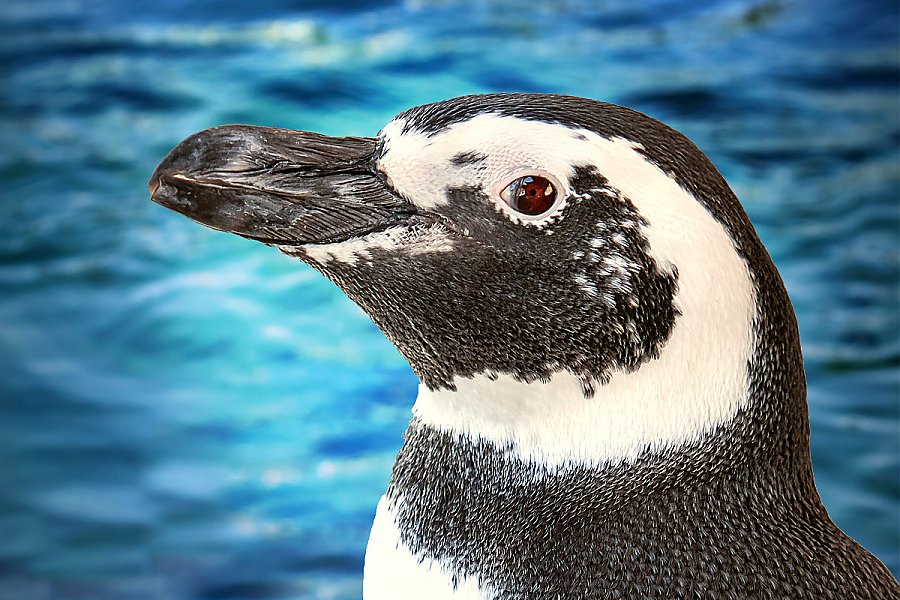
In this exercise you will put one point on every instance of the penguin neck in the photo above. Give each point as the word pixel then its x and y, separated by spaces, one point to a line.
pixel 553 427
pixel 634 437
pixel 731 364
pixel 699 384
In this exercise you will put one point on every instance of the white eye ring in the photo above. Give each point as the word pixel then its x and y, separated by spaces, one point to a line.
pixel 501 190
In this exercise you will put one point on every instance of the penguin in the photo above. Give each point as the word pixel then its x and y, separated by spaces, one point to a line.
pixel 612 400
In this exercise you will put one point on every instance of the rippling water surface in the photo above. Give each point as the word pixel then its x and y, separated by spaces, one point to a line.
pixel 185 414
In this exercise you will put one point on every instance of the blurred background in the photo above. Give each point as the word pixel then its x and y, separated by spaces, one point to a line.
pixel 185 414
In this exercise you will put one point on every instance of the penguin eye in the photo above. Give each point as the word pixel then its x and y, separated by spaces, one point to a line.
pixel 530 195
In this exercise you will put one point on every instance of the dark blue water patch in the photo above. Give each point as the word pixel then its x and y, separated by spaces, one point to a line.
pixel 37 22
pixel 400 386
pixel 493 80
pixel 850 364
pixel 106 16
pixel 216 432
pixel 286 357
pixel 317 90
pixel 842 78
pixel 813 159
pixel 864 24
pixel 355 444
pixel 239 589
pixel 421 65
pixel 761 14
pixel 94 99
pixel 114 461
pixel 28 54
pixel 130 96
pixel 327 563
pixel 625 18
pixel 686 102
pixel 236 13
pixel 16 171
pixel 654 14
pixel 290 554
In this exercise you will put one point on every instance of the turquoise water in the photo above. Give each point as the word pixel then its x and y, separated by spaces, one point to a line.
pixel 185 414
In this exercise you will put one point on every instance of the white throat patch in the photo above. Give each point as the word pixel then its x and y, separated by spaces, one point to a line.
pixel 700 379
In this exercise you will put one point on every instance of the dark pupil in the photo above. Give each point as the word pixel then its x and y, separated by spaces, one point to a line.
pixel 535 195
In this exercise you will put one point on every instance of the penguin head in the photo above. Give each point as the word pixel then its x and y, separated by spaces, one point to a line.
pixel 525 250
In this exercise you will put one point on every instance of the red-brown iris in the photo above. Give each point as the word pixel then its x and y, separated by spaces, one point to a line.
pixel 530 195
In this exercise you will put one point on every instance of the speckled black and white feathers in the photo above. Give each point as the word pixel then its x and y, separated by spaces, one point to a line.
pixel 587 298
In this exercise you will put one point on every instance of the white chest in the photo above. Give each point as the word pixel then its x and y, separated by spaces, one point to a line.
pixel 393 573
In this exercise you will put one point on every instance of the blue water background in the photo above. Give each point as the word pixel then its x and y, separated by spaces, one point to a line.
pixel 186 414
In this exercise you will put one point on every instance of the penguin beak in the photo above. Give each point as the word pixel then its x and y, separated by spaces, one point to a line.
pixel 278 186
